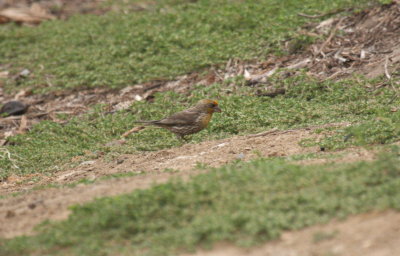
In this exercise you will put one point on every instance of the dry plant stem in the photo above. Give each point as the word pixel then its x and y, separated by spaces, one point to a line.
pixel 23 124
pixel 388 76
pixel 264 133
pixel 332 34
pixel 133 130
pixel 316 16
pixel 7 154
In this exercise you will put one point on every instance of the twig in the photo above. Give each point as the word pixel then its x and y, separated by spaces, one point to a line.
pixel 277 131
pixel 311 16
pixel 316 16
pixel 23 124
pixel 333 32
pixel 7 154
pixel 133 130
pixel 264 133
pixel 218 75
pixel 388 76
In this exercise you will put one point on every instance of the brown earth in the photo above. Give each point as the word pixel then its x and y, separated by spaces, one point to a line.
pixel 19 214
pixel 370 234
pixel 368 43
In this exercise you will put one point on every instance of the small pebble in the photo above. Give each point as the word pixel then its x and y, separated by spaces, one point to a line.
pixel 240 156
pixel 25 73
pixel 13 108
pixel 32 206
pixel 10 214
pixel 88 163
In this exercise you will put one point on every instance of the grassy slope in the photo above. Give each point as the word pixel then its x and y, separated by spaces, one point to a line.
pixel 182 37
pixel 49 145
pixel 118 49
pixel 243 203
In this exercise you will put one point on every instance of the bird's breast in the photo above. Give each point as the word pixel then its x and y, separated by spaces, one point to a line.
pixel 205 119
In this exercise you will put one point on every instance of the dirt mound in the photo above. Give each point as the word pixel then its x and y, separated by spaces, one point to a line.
pixel 371 234
pixel 187 157
pixel 21 213
pixel 365 43
pixel 362 44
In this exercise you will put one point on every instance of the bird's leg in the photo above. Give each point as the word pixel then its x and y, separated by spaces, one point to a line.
pixel 182 137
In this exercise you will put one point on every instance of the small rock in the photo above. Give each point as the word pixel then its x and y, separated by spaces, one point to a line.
pixel 32 206
pixel 13 108
pixel 240 156
pixel 4 74
pixel 10 214
pixel 120 161
pixel 25 73
pixel 220 145
pixel 87 163
pixel 138 97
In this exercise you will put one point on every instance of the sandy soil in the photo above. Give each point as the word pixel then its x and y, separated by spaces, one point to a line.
pixel 19 214
pixel 371 234
pixel 368 44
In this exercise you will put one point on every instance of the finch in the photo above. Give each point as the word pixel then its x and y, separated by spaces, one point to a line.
pixel 188 121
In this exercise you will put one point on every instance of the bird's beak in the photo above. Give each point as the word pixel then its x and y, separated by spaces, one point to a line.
pixel 217 109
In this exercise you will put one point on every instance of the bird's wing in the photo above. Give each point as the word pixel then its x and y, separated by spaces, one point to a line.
pixel 180 118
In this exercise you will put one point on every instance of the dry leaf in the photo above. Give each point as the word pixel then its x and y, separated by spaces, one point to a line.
pixel 3 74
pixel 133 130
pixel 23 126
pixel 33 15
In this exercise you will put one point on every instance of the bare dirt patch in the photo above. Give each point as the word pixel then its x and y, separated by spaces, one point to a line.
pixel 21 213
pixel 74 103
pixel 365 43
pixel 370 234
pixel 357 48
pixel 207 154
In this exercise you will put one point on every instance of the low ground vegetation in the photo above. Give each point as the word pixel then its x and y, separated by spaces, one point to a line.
pixel 243 203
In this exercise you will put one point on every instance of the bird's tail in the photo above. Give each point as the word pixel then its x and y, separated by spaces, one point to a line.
pixel 146 122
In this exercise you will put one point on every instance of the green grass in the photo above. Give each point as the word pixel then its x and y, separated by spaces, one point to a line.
pixel 172 38
pixel 49 146
pixel 245 203
pixel 115 50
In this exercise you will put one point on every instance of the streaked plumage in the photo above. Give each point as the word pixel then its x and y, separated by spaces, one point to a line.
pixel 188 121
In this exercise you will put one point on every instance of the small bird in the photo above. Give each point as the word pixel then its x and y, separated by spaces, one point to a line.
pixel 188 121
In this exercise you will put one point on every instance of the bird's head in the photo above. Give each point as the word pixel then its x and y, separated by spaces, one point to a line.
pixel 208 106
